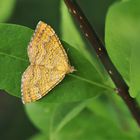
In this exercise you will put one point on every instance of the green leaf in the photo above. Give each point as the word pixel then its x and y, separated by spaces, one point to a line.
pixel 92 126
pixel 108 112
pixel 87 126
pixel 13 56
pixel 122 41
pixel 41 116
pixel 85 82
pixel 112 108
pixel 39 136
pixel 6 8
pixel 53 117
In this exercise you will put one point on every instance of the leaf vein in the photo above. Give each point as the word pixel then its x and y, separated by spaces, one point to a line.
pixel 12 56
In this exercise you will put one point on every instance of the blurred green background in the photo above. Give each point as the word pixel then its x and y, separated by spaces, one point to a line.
pixel 14 123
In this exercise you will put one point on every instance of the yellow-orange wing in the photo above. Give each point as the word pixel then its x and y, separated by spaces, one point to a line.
pixel 49 64
pixel 45 47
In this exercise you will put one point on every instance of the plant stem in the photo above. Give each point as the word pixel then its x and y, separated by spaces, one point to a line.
pixel 121 86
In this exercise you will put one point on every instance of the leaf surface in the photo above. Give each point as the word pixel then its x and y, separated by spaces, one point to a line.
pixel 82 84
pixel 122 41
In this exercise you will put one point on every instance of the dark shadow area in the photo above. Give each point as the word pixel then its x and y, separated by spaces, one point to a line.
pixel 95 11
pixel 29 12
pixel 14 124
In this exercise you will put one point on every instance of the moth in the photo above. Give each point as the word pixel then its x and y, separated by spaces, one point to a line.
pixel 48 64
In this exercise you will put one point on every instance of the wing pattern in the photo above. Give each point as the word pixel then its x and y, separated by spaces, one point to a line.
pixel 48 64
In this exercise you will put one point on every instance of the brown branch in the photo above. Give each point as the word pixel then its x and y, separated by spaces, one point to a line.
pixel 121 86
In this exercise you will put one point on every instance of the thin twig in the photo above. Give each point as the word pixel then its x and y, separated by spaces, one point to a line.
pixel 121 86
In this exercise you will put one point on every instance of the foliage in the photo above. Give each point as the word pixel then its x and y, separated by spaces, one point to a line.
pixel 122 32
pixel 6 7
pixel 83 105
